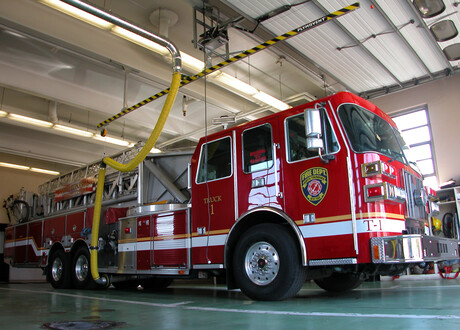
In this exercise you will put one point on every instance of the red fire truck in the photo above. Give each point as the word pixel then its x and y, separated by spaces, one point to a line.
pixel 322 191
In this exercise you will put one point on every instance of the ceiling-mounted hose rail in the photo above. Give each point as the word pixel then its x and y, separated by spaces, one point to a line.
pixel 188 79
pixel 176 78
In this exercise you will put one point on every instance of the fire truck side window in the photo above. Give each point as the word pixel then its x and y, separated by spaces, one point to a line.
pixel 215 160
pixel 257 149
pixel 297 141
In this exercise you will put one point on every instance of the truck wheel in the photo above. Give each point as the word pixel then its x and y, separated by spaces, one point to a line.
pixel 266 263
pixel 59 270
pixel 81 269
pixel 340 282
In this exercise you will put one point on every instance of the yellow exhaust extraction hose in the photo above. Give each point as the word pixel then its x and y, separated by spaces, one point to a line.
pixel 175 83
pixel 95 227
pixel 155 133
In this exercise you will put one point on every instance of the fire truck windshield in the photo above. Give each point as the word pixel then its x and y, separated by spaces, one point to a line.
pixel 368 132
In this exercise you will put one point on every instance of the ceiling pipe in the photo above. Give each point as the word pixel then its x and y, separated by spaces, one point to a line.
pixel 173 50
pixel 52 112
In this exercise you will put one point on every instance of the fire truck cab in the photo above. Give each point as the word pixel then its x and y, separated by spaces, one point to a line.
pixel 322 191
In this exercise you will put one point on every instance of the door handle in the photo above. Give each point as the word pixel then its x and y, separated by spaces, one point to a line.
pixel 278 193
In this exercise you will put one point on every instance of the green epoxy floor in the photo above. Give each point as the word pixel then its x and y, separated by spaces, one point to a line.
pixel 400 304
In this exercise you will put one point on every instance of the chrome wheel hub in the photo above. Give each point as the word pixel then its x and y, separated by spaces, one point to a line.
pixel 81 268
pixel 261 263
pixel 57 269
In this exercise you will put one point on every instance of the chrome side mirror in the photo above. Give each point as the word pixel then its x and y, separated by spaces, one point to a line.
pixel 313 129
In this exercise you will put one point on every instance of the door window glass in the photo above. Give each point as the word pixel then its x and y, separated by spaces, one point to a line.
pixel 257 149
pixel 215 160
pixel 297 140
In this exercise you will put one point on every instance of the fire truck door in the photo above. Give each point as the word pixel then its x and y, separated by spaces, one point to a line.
pixel 317 190
pixel 213 200
pixel 260 181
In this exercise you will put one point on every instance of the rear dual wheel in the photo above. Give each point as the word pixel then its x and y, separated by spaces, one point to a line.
pixel 81 269
pixel 65 270
pixel 58 274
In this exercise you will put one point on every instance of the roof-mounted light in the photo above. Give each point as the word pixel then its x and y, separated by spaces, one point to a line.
pixel 444 30
pixel 429 8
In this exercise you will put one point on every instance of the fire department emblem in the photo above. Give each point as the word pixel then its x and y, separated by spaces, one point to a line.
pixel 314 183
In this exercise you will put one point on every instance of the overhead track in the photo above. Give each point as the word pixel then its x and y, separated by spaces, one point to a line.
pixel 188 79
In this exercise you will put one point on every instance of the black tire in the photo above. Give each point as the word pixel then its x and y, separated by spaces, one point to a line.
pixel 81 270
pixel 58 274
pixel 340 282
pixel 266 263
pixel 156 284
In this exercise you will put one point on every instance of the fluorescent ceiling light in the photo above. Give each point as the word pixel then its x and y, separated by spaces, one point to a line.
pixel 27 168
pixel 236 84
pixel 28 120
pixel 3 113
pixel 40 170
pixel 192 63
pixel 18 167
pixel 155 151
pixel 71 130
pixel 188 61
pixel 78 13
pixel 270 100
pixel 141 41
pixel 112 140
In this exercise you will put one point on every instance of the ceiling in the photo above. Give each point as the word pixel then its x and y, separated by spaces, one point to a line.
pixel 62 70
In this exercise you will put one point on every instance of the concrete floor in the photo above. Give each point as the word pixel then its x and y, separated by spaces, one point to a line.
pixel 427 304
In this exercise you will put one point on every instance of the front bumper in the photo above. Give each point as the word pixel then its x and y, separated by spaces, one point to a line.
pixel 413 248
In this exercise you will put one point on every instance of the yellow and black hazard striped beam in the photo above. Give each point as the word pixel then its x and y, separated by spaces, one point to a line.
pixel 188 79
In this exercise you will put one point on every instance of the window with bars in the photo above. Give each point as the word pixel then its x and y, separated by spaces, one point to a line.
pixel 416 131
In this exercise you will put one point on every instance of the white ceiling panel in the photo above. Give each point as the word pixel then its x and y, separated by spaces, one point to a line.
pixel 379 37
pixel 352 66
pixel 383 43
pixel 400 14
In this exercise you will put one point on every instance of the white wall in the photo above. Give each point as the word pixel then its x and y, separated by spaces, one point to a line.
pixel 443 100
pixel 12 180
